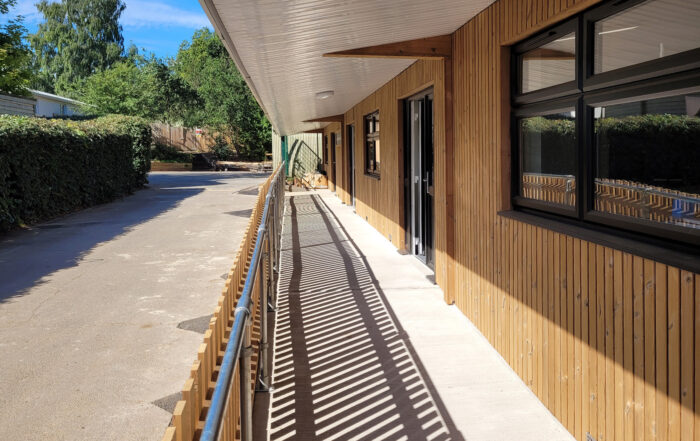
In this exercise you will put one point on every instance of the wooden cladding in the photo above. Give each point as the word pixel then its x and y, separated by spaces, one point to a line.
pixel 607 340
pixel 379 201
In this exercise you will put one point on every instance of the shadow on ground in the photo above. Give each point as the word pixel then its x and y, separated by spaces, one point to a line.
pixel 28 256
pixel 343 367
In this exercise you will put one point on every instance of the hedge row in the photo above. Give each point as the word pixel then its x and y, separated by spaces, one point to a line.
pixel 166 153
pixel 653 149
pixel 50 167
pixel 551 145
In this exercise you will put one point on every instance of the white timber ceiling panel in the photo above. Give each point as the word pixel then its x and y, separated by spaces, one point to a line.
pixel 278 46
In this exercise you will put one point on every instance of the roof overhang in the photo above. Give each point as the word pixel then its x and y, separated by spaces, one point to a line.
pixel 278 47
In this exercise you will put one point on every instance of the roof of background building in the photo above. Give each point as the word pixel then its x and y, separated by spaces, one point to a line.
pixel 51 96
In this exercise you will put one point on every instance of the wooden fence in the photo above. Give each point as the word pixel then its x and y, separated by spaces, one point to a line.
pixel 560 189
pixel 648 202
pixel 618 196
pixel 190 412
pixel 182 138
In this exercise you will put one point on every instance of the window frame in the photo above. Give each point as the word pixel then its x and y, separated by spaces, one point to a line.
pixel 371 137
pixel 543 108
pixel 670 74
pixel 671 64
pixel 551 92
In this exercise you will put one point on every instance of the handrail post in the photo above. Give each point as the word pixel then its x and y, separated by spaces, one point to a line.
pixel 246 392
pixel 273 248
pixel 264 275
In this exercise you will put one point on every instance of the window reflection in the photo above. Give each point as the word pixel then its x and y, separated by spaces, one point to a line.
pixel 648 159
pixel 548 156
pixel 644 32
pixel 548 65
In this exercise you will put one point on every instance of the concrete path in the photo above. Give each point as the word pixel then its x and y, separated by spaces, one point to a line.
pixel 365 347
pixel 101 312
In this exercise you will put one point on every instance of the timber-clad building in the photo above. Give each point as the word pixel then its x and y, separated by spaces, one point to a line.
pixel 542 157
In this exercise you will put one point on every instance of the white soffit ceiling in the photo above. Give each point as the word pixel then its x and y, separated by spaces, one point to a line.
pixel 278 45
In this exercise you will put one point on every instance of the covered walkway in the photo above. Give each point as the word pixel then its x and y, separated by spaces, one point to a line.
pixel 365 347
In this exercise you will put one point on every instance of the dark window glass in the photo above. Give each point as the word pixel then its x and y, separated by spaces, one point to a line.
pixel 650 30
pixel 632 160
pixel 648 159
pixel 372 145
pixel 548 65
pixel 548 157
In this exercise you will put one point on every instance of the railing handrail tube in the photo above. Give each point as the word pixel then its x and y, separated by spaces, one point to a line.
pixel 652 190
pixel 235 342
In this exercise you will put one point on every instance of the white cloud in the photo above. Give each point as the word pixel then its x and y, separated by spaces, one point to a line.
pixel 26 9
pixel 140 14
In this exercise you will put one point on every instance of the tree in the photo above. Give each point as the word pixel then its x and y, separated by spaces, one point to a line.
pixel 228 105
pixel 77 39
pixel 15 57
pixel 138 86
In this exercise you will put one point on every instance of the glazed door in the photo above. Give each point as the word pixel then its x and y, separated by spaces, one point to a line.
pixel 419 188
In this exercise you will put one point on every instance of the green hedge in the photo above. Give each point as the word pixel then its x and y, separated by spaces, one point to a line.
pixel 550 145
pixel 166 153
pixel 659 150
pixel 50 167
pixel 653 149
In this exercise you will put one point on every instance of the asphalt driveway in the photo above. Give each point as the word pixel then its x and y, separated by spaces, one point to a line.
pixel 102 311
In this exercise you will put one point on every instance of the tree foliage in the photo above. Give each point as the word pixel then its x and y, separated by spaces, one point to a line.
pixel 228 105
pixel 15 57
pixel 76 39
pixel 139 86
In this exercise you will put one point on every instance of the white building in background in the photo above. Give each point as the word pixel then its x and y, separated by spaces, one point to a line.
pixel 42 104
pixel 49 105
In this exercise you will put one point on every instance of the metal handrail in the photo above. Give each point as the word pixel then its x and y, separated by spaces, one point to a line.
pixel 268 234
pixel 644 188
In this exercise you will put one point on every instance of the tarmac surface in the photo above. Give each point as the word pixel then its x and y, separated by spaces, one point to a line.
pixel 102 311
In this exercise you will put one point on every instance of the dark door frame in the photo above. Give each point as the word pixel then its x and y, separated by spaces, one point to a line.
pixel 350 142
pixel 427 175
pixel 333 170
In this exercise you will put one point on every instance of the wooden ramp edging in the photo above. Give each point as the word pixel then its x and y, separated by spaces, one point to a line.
pixel 191 411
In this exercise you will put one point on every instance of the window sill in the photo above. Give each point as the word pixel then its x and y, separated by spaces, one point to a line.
pixel 668 253
pixel 373 175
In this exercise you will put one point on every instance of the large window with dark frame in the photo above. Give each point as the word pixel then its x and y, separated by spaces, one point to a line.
pixel 606 119
pixel 372 148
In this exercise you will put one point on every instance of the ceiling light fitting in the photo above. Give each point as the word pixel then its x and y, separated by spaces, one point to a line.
pixel 324 95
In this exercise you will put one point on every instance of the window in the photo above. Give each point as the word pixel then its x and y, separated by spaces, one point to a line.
pixel 606 117
pixel 550 64
pixel 644 32
pixel 548 152
pixel 326 155
pixel 372 148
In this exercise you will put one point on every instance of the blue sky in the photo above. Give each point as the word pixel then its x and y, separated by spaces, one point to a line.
pixel 153 25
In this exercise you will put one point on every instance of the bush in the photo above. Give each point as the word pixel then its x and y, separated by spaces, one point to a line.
pixel 222 150
pixel 652 149
pixel 166 153
pixel 52 167
pixel 552 145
